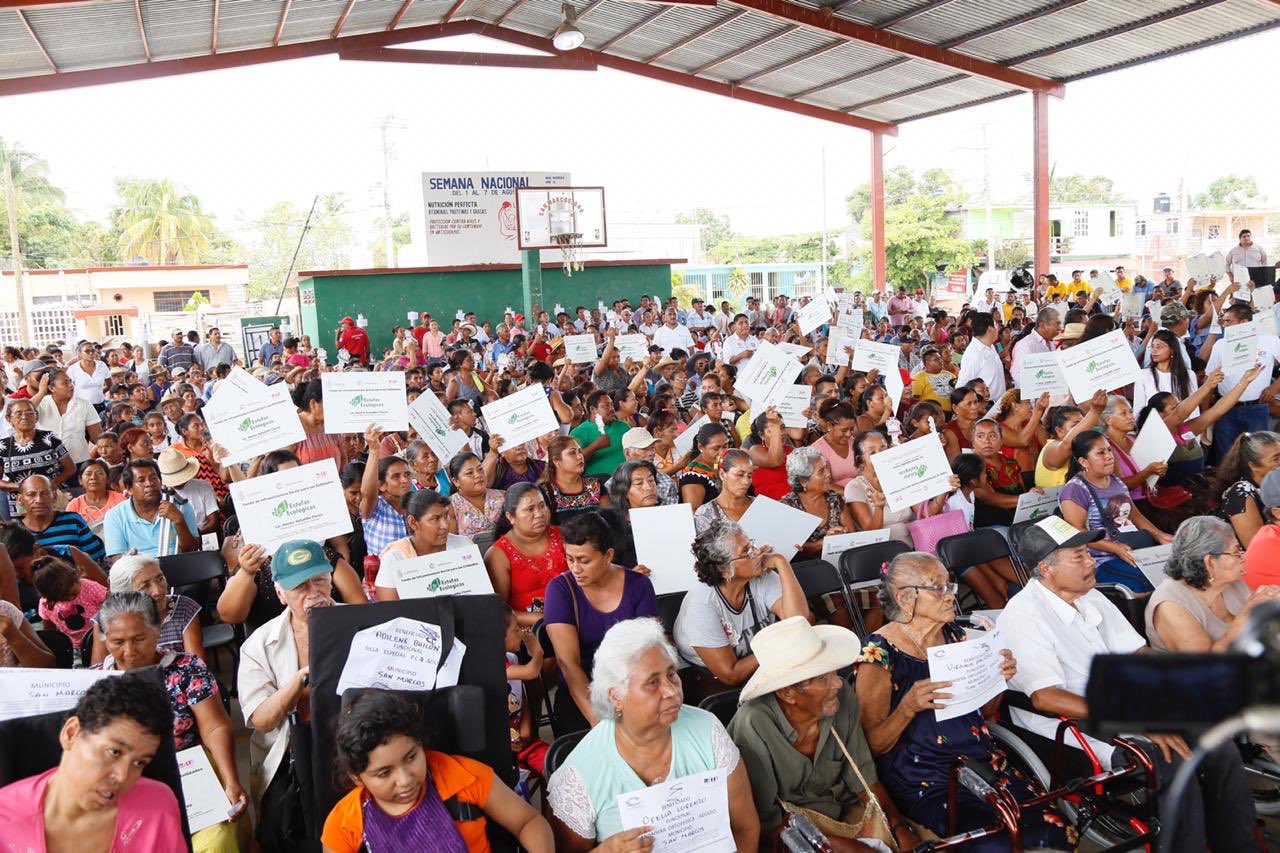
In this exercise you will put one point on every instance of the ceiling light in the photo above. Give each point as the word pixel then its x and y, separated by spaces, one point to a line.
pixel 568 36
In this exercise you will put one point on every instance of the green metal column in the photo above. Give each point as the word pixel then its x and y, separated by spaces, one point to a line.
pixel 531 281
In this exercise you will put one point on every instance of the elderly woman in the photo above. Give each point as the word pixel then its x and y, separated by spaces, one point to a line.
pixel 424 466
pixel 809 475
pixel 645 736
pixel 1248 461
pixel 1203 602
pixel 743 589
pixel 865 497
pixel 30 451
pixel 129 628
pixel 914 750
pixel 582 605
pixel 476 507
pixel 97 793
pixel 179 615
pixel 797 729
pixel 527 554
pixel 736 477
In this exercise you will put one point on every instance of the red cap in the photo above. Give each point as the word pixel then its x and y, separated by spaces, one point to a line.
pixel 519 318
pixel 348 320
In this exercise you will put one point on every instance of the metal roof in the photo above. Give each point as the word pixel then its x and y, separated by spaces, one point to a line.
pixel 866 63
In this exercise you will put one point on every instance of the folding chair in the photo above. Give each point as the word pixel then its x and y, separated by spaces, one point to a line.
pixel 1132 605
pixel 547 715
pixel 668 609
pixel 819 578
pixel 200 573
pixel 723 705
pixel 969 549
pixel 560 749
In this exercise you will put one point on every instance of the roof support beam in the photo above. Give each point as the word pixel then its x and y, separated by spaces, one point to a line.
pixel 1040 181
pixel 213 27
pixel 562 62
pixel 284 16
pixel 399 15
pixel 511 10
pixel 825 22
pixel 635 28
pixel 914 90
pixel 705 31
pixel 35 38
pixel 453 10
pixel 1167 15
pixel 913 13
pixel 735 53
pixel 342 19
pixel 782 66
pixel 878 265
pixel 142 29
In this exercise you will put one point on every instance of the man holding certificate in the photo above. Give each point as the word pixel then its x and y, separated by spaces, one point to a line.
pixel 1251 413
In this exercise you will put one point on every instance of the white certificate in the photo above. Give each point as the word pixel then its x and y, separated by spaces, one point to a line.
pixel 813 315
pixel 1217 263
pixel 792 403
pixel 296 503
pixel 1240 274
pixel 834 546
pixel 1154 443
pixel 433 423
pixel 1102 364
pixel 912 472
pixel 664 538
pixel 457 571
pixel 206 801
pixel 352 401
pixel 1266 322
pixel 28 692
pixel 795 350
pixel 768 522
pixel 973 668
pixel 839 348
pixel 1239 347
pixel 1198 268
pixel 1033 506
pixel 870 355
pixel 688 815
pixel 522 417
pixel 580 349
pixel 1132 305
pixel 1264 297
pixel 634 347
pixel 244 381
pixel 768 368
pixel 249 424
pixel 1152 560
pixel 1041 373
pixel 400 654
pixel 684 441
pixel 850 322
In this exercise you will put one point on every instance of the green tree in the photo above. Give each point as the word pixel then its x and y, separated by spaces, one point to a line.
pixel 24 179
pixel 400 237
pixel 1011 254
pixel 899 185
pixel 1078 189
pixel 714 229
pixel 1230 191
pixel 919 236
pixel 161 222
pixel 327 244
pixel 739 283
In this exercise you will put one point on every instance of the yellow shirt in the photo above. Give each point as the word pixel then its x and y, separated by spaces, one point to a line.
pixel 930 386
pixel 1125 284
pixel 1072 288
pixel 1047 478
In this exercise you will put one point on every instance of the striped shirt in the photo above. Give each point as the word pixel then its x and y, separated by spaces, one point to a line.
pixel 67 528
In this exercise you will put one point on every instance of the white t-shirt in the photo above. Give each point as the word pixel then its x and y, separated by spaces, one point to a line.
pixel 89 387
pixel 200 495
pixel 1148 386
pixel 70 426
pixel 669 339
pixel 734 345
pixel 706 621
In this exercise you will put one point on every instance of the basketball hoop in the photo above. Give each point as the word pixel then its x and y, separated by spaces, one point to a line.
pixel 565 218
pixel 568 245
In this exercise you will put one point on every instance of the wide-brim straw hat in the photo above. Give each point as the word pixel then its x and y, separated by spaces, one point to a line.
pixel 792 651
pixel 175 468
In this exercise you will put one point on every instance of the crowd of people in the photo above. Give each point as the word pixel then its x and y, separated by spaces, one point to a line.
pixel 106 452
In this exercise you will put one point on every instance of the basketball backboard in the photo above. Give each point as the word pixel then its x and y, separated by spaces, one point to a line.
pixel 549 217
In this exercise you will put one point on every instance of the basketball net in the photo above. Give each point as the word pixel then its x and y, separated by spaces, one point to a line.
pixel 568 244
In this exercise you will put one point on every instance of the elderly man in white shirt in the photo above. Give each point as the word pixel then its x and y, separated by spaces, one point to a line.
pixel 671 335
pixel 739 346
pixel 1054 627
pixel 980 360
pixel 1039 340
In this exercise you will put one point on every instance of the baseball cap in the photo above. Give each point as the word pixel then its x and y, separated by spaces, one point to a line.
pixel 346 320
pixel 297 561
pixel 1270 490
pixel 35 365
pixel 1172 313
pixel 1037 541
pixel 636 438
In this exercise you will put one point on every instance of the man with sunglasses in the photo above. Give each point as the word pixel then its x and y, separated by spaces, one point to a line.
pixel 1054 627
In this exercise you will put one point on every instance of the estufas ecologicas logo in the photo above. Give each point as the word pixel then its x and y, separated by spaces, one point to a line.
pixel 281 509
pixel 357 400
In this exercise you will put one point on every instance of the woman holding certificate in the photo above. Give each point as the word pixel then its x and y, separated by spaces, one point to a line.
pixel 386 481
pixel 476 508
pixel 865 496
pixel 429 517
pixel 195 444
pixel 1065 423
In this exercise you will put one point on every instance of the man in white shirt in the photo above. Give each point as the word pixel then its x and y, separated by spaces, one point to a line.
pixel 648 327
pixel 700 322
pixel 739 346
pixel 1246 254
pixel 987 302
pixel 877 306
pixel 1251 413
pixel 671 335
pixel 981 361
pixel 213 351
pixel 1054 627
pixel 1040 339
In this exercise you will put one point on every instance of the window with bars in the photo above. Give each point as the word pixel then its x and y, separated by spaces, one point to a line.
pixel 114 325
pixel 1140 228
pixel 1171 227
pixel 1215 231
pixel 175 300
pixel 1080 223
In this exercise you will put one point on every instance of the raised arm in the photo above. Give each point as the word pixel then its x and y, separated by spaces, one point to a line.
pixel 369 482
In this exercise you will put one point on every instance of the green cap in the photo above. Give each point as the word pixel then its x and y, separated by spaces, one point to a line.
pixel 298 561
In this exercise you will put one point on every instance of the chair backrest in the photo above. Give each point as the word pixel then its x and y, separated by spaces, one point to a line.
pixel 484 541
pixel 668 609
pixel 818 577
pixel 544 639
pixel 862 564
pixel 1133 607
pixel 60 644
pixel 969 549
pixel 560 749
pixel 723 705
pixel 192 568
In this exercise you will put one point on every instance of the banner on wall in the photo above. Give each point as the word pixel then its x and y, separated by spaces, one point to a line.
pixel 471 216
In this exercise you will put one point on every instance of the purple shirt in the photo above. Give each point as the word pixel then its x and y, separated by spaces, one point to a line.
pixel 638 599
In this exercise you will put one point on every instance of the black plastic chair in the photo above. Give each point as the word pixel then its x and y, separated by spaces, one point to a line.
pixel 546 716
pixel 861 566
pixel 969 549
pixel 60 644
pixel 723 705
pixel 1133 606
pixel 484 541
pixel 199 574
pixel 668 609
pixel 819 578
pixel 560 749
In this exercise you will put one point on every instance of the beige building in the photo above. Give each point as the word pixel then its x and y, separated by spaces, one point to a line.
pixel 102 302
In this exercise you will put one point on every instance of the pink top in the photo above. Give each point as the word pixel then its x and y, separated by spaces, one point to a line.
pixel 90 515
pixel 843 468
pixel 147 818
pixel 85 606
pixel 433 345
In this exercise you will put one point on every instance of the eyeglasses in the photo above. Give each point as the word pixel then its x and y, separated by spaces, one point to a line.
pixel 752 553
pixel 1234 552
pixel 938 589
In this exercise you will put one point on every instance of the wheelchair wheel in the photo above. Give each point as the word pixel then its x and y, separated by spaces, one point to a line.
pixel 1105 830
pixel 1263 773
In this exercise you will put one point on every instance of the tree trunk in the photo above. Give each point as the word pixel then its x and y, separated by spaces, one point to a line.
pixel 11 196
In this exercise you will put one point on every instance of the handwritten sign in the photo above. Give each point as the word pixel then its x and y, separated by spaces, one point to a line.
pixel 401 654
pixel 687 814
pixel 973 668
pixel 28 692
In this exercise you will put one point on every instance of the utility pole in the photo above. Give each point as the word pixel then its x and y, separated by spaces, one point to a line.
pixel 389 122
pixel 822 280
pixel 11 198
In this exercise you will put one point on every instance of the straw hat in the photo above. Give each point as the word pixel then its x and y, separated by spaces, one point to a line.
pixel 175 468
pixel 792 651
pixel 1071 332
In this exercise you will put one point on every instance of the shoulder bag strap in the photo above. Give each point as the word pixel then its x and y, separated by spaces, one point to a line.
pixel 1102 516
pixel 874 810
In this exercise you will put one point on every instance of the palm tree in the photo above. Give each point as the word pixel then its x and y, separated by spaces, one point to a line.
pixel 26 183
pixel 161 222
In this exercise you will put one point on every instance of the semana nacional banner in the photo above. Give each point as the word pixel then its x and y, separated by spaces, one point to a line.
pixel 471 216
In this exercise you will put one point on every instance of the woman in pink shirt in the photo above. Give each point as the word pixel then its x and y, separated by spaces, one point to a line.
pixel 840 422
pixel 433 341
pixel 95 800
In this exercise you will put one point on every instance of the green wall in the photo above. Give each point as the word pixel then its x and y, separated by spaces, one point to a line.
pixel 385 298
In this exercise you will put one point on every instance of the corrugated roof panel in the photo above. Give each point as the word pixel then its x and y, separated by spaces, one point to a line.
pixel 941 98
pixel 841 62
pixel 957 18
pixel 747 29
pixel 800 43
pixel 244 24
pixel 18 54
pixel 675 24
pixel 1076 22
pixel 601 25
pixel 368 16
pixel 312 20
pixel 424 12
pixel 538 18
pixel 80 37
pixel 178 30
